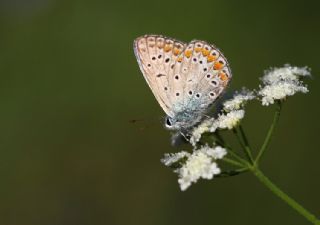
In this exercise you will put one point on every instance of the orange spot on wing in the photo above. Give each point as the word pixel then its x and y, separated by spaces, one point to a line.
pixel 167 48
pixel 198 49
pixel 188 53
pixel 179 59
pixel 223 76
pixel 176 51
pixel 205 52
pixel 211 58
pixel 218 66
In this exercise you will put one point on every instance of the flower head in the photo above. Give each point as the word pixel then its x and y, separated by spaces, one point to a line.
pixel 199 130
pixel 200 164
pixel 217 153
pixel 228 121
pixel 238 100
pixel 280 90
pixel 224 121
pixel 285 73
pixel 171 158
pixel 279 83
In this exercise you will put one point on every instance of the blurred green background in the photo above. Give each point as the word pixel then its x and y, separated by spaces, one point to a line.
pixel 70 84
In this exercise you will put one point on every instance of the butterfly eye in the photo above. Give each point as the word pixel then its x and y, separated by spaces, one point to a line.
pixel 168 122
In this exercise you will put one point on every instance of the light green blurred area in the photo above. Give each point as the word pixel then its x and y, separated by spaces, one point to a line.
pixel 70 85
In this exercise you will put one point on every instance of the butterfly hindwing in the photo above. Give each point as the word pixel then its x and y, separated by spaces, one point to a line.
pixel 206 74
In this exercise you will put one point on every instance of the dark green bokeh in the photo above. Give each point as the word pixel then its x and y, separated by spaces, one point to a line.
pixel 70 85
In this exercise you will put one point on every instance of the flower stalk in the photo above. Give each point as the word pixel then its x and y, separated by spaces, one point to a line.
pixel 270 133
pixel 282 195
pixel 244 144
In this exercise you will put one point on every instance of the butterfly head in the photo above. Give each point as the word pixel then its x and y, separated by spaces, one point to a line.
pixel 169 123
pixel 182 121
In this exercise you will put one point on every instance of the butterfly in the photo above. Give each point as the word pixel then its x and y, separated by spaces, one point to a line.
pixel 186 79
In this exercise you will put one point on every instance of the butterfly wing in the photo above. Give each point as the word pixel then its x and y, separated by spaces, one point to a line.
pixel 157 56
pixel 203 73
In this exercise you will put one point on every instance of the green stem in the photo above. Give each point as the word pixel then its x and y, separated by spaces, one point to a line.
pixel 244 144
pixel 231 173
pixel 232 162
pixel 269 134
pixel 278 192
pixel 221 141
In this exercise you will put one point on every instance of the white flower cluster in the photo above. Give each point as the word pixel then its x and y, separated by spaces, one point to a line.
pixel 200 129
pixel 278 83
pixel 228 120
pixel 200 164
pixel 280 90
pixel 285 73
pixel 239 100
pixel 171 158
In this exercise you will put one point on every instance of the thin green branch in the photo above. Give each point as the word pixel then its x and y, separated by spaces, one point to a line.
pixel 244 144
pixel 220 141
pixel 270 133
pixel 278 192
pixel 236 156
pixel 232 162
pixel 231 173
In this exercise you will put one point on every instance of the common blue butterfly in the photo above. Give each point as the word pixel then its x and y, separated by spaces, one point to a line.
pixel 186 79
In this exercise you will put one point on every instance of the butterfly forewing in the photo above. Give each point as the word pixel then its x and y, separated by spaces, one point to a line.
pixel 156 56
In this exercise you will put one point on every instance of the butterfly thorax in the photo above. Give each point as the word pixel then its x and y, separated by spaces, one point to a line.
pixel 183 120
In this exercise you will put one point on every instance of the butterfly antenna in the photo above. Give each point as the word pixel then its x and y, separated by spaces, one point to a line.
pixel 144 123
